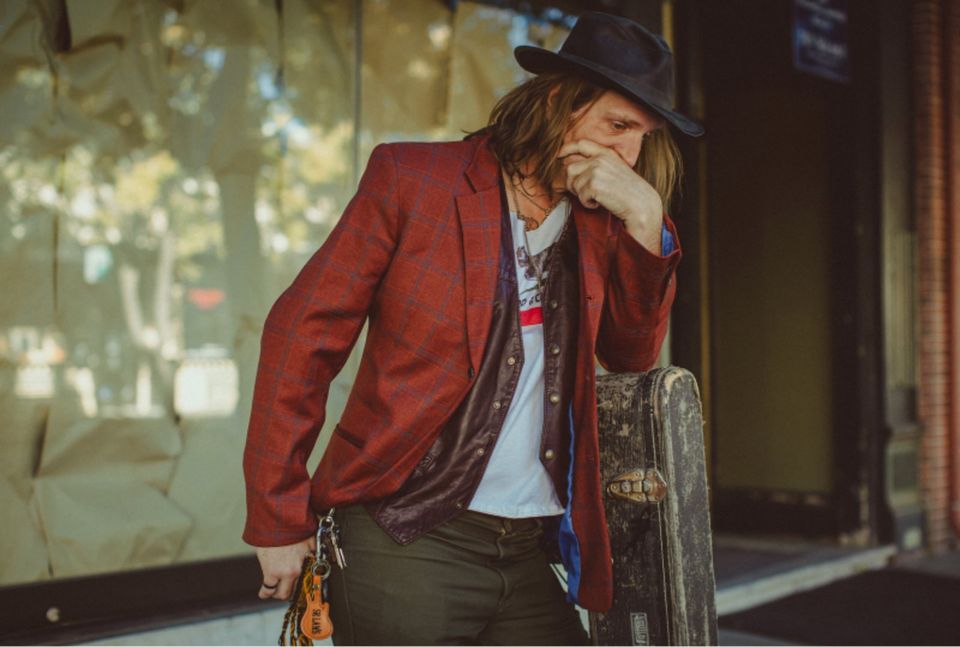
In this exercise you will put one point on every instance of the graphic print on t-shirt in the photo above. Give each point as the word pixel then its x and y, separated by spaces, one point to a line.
pixel 534 261
pixel 531 311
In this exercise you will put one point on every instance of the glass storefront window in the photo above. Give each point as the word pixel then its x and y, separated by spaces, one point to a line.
pixel 164 173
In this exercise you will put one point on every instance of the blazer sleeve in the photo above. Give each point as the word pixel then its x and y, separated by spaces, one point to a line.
pixel 640 291
pixel 307 337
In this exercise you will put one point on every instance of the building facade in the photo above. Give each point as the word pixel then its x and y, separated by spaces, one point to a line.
pixel 168 168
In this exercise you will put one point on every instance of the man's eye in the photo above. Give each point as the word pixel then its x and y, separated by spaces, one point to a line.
pixel 619 125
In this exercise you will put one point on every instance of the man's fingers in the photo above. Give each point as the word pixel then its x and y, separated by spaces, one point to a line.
pixel 576 173
pixel 268 590
pixel 583 147
pixel 572 158
pixel 588 201
pixel 584 192
pixel 278 587
pixel 281 566
pixel 574 170
pixel 583 184
pixel 285 588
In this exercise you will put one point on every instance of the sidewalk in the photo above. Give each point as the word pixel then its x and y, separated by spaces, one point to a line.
pixel 754 571
pixel 914 602
pixel 755 580
pixel 751 572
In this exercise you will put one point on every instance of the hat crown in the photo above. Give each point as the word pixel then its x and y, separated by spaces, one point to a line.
pixel 619 54
pixel 626 48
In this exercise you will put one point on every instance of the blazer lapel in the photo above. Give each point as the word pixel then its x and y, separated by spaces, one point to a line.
pixel 479 214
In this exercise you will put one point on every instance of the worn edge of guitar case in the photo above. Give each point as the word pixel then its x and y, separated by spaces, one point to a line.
pixel 651 447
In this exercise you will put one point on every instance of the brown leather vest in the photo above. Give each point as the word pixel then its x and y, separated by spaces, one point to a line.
pixel 444 481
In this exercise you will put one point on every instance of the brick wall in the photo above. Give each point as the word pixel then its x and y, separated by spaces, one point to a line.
pixel 935 49
pixel 952 114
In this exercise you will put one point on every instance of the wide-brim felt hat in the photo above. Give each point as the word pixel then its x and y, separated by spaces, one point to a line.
pixel 618 54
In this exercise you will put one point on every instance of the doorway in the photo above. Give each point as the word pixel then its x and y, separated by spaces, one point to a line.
pixel 776 193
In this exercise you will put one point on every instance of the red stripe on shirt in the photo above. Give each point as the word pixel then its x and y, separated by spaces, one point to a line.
pixel 531 317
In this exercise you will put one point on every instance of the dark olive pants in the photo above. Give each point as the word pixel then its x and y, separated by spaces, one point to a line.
pixel 474 580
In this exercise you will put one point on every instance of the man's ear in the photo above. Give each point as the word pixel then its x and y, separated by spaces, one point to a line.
pixel 552 93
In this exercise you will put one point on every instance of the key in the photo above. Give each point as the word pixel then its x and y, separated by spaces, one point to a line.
pixel 337 550
pixel 324 530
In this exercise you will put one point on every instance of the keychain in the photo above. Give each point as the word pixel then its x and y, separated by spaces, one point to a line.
pixel 308 618
pixel 315 622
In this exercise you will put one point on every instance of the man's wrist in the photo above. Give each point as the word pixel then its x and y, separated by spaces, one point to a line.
pixel 648 235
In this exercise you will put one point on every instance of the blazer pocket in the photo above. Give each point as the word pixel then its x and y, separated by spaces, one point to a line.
pixel 349 437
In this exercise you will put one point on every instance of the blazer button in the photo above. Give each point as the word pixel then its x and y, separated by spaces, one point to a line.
pixel 555 398
pixel 549 454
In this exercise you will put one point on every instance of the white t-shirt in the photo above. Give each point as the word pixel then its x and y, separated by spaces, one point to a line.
pixel 515 483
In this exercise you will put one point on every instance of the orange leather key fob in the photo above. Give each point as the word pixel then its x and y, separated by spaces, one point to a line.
pixel 316 623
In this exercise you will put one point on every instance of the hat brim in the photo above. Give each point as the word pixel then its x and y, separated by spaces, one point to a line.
pixel 539 60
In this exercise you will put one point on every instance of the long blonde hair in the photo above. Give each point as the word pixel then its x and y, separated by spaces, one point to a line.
pixel 527 126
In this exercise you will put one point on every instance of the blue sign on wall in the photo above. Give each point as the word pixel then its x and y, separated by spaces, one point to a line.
pixel 820 44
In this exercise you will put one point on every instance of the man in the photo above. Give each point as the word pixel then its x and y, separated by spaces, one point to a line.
pixel 492 272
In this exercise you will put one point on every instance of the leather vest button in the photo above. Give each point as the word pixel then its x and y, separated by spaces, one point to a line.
pixel 496 405
pixel 554 349
pixel 481 451
pixel 511 360
pixel 459 505
pixel 554 304
pixel 555 398
pixel 549 454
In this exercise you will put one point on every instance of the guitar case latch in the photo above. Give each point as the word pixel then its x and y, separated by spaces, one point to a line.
pixel 639 486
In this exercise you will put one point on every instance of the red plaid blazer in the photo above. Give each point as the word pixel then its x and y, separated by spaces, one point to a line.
pixel 415 252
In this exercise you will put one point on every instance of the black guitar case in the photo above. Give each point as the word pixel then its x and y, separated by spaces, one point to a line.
pixel 654 474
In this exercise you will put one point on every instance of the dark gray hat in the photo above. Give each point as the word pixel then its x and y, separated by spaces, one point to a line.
pixel 617 53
